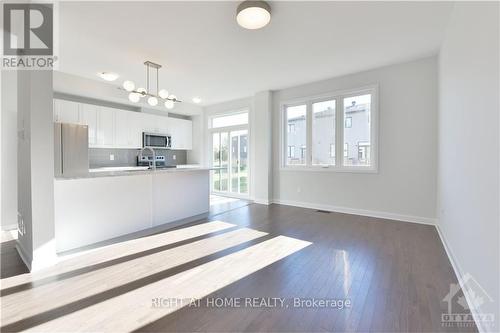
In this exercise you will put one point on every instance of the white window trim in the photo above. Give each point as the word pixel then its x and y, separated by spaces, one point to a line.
pixel 209 135
pixel 228 113
pixel 339 96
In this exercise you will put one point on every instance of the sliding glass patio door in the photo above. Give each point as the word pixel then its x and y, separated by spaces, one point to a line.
pixel 230 161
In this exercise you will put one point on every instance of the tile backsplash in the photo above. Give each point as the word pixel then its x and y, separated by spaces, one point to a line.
pixel 100 157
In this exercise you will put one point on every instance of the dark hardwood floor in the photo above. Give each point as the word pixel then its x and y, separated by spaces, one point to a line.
pixel 392 277
pixel 10 261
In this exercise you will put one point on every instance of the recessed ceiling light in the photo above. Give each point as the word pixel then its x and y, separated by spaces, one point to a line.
pixel 108 76
pixel 196 100
pixel 253 14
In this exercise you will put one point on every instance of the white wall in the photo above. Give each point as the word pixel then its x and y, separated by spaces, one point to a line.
pixel 262 143
pixel 9 150
pixel 36 240
pixel 469 144
pixel 405 185
pixel 196 155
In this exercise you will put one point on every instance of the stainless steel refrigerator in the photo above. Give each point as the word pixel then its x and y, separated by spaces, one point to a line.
pixel 71 149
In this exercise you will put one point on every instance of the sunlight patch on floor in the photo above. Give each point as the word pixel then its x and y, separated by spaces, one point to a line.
pixel 57 294
pixel 117 250
pixel 133 309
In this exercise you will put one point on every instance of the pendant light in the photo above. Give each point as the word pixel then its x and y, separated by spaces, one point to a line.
pixel 153 99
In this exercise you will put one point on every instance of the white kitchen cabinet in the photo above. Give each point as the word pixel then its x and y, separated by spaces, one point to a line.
pixel 135 129
pixel 66 111
pixel 105 127
pixel 88 116
pixel 115 128
pixel 122 130
pixel 164 125
pixel 150 123
pixel 181 131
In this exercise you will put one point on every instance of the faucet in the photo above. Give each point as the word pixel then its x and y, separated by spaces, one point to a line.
pixel 153 164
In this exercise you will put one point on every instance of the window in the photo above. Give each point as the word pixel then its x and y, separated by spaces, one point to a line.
pixel 296 116
pixel 230 120
pixel 348 122
pixel 315 126
pixel 358 109
pixel 323 132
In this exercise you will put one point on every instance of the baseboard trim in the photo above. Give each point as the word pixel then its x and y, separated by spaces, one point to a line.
pixel 362 212
pixel 9 227
pixel 461 277
pixel 24 256
pixel 262 201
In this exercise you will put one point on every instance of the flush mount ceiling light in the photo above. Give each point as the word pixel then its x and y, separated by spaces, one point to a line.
pixel 196 100
pixel 253 14
pixel 108 76
pixel 161 95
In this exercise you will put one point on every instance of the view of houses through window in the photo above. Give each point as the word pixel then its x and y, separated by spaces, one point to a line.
pixel 296 134
pixel 323 132
pixel 355 134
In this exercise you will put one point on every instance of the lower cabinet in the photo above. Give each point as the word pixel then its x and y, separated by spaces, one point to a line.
pixel 116 128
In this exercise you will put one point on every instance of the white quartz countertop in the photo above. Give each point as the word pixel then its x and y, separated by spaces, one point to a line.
pixel 131 171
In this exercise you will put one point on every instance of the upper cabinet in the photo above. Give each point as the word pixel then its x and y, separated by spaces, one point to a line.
pixel 123 139
pixel 66 111
pixel 115 128
pixel 181 131
pixel 88 116
pixel 106 127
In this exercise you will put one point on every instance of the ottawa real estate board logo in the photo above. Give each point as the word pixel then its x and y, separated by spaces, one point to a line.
pixel 28 38
pixel 466 301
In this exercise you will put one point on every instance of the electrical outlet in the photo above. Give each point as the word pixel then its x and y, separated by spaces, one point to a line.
pixel 174 157
pixel 111 157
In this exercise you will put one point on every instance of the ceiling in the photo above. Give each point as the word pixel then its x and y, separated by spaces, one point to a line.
pixel 206 54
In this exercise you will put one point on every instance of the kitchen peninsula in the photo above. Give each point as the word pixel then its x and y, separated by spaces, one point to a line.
pixel 102 205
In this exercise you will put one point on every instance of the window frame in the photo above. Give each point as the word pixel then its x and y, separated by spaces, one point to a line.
pixel 284 132
pixel 338 96
pixel 211 117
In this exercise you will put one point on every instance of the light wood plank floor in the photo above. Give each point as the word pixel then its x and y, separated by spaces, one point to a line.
pixel 394 274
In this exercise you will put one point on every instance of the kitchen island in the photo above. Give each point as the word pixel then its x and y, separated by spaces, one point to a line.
pixel 99 206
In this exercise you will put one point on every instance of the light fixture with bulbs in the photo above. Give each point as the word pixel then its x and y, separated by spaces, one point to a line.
pixel 253 14
pixel 108 76
pixel 161 95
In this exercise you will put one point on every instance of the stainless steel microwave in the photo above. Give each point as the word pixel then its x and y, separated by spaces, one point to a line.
pixel 156 140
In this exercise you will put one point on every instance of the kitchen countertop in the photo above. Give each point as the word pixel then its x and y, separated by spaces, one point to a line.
pixel 131 171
